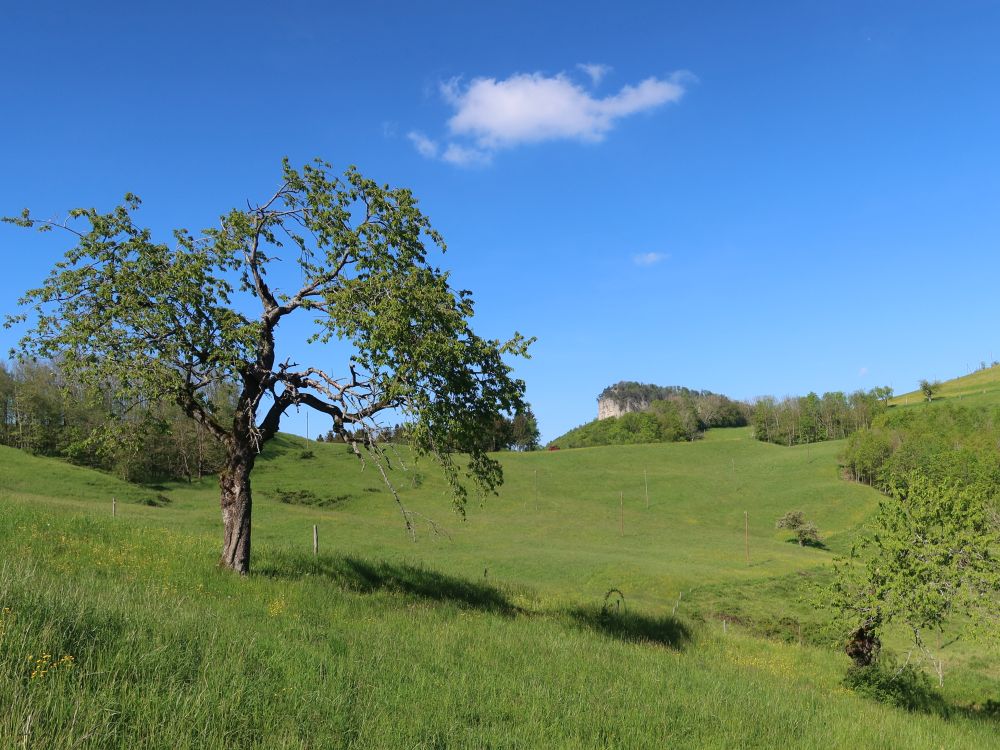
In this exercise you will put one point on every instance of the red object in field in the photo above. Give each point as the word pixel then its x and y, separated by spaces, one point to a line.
pixel 553 447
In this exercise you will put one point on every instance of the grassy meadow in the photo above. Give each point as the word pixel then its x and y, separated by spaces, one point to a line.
pixel 978 388
pixel 119 632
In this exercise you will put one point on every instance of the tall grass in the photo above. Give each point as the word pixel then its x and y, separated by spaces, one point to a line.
pixel 487 640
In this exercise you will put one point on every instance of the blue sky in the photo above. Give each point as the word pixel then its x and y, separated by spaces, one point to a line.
pixel 753 198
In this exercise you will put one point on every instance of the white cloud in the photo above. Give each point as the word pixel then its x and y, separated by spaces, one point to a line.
pixel 649 259
pixel 424 145
pixel 863 371
pixel 491 114
pixel 530 108
pixel 466 156
pixel 596 71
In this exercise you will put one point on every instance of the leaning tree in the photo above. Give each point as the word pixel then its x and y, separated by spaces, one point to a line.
pixel 153 321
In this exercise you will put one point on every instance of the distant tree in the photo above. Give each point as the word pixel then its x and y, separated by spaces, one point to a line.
pixel 148 321
pixel 883 394
pixel 929 388
pixel 805 531
pixel 7 413
pixel 524 432
pixel 928 562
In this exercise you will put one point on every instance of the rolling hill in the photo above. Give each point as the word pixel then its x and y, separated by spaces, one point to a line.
pixel 981 387
pixel 500 631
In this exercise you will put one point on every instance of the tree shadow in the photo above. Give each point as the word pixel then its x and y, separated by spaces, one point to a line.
pixel 633 627
pixel 366 577
pixel 817 544
pixel 988 711
pixel 913 690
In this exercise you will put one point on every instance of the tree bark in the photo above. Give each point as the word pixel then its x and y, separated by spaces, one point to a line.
pixel 234 482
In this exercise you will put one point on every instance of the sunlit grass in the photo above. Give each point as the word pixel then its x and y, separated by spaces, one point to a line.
pixel 498 636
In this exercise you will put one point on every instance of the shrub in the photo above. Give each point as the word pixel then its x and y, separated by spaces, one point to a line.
pixel 805 531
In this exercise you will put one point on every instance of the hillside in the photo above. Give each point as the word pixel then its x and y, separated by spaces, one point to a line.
pixel 981 387
pixel 495 632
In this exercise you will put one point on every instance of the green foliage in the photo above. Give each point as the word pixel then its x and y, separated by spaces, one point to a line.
pixel 656 414
pixel 928 388
pixel 152 322
pixel 811 418
pixel 927 562
pixel 947 443
pixel 46 413
pixel 904 687
pixel 518 432
pixel 663 421
pixel 805 531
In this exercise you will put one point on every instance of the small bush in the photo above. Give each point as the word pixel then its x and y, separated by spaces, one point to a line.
pixel 805 531
pixel 306 455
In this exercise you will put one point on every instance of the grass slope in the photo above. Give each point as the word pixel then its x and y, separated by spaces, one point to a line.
pixel 979 388
pixel 493 637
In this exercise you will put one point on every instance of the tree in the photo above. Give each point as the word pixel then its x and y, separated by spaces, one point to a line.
pixel 805 531
pixel 524 433
pixel 929 388
pixel 883 393
pixel 929 563
pixel 149 321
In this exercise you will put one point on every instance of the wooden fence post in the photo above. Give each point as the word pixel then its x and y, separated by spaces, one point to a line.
pixel 315 540
pixel 746 533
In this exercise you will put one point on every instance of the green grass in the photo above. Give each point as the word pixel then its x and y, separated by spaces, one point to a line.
pixel 492 637
pixel 979 388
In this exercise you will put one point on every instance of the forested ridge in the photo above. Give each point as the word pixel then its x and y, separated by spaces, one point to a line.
pixel 656 414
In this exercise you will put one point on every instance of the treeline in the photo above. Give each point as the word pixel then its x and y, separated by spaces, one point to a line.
pixel 43 413
pixel 677 418
pixel 946 444
pixel 813 418
pixel 517 432
pixel 631 392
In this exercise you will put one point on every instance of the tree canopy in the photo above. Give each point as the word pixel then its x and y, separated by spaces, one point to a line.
pixel 147 320
pixel 927 562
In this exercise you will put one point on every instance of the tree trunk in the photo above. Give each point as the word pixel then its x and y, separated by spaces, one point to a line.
pixel 863 646
pixel 234 482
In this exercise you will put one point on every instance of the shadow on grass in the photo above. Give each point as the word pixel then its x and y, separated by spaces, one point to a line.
pixel 365 577
pixel 906 688
pixel 808 543
pixel 913 690
pixel 633 627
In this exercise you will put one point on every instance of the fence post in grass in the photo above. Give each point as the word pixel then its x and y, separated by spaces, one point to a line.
pixel 725 626
pixel 645 481
pixel 114 507
pixel 621 513
pixel 315 540
pixel 746 534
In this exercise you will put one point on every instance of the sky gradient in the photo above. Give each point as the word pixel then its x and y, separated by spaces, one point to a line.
pixel 751 198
